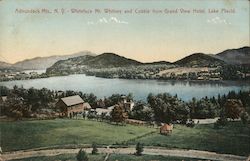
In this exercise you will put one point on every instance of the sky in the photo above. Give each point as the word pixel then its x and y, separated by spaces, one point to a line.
pixel 145 37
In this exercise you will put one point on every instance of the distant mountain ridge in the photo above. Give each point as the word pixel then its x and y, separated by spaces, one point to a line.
pixel 68 64
pixel 105 60
pixel 235 56
pixel 5 65
pixel 42 62
pixel 109 60
pixel 199 60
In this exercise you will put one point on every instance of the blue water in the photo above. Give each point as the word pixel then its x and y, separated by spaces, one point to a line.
pixel 139 88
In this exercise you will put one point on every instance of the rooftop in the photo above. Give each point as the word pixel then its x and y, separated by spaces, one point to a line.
pixel 72 100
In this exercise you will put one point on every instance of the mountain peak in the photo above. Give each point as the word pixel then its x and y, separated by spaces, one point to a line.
pixel 111 60
pixel 235 56
pixel 45 62
pixel 199 59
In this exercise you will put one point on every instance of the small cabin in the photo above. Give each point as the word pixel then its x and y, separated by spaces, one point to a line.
pixel 166 129
pixel 71 105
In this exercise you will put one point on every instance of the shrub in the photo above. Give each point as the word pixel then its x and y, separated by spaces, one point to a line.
pixel 190 123
pixel 139 149
pixel 94 150
pixel 82 156
pixel 222 121
pixel 244 117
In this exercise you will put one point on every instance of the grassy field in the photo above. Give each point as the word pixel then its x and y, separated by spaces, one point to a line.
pixel 63 157
pixel 119 157
pixel 113 157
pixel 42 133
pixel 232 139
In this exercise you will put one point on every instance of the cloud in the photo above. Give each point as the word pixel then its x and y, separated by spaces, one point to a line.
pixel 111 20
pixel 218 20
pixel 114 19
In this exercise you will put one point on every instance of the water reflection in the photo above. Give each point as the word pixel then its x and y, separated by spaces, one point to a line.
pixel 140 88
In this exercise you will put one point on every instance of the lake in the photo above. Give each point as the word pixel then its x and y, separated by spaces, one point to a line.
pixel 140 89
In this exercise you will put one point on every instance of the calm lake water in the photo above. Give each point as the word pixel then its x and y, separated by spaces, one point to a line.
pixel 140 88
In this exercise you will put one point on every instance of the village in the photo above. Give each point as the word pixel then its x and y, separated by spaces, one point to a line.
pixel 163 72
pixel 10 74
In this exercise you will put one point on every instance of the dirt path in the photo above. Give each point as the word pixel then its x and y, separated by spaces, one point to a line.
pixel 149 151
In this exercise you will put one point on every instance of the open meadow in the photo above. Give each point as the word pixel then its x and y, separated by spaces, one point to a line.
pixel 232 139
pixel 112 157
pixel 45 133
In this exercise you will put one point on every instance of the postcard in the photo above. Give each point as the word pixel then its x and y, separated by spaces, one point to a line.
pixel 124 80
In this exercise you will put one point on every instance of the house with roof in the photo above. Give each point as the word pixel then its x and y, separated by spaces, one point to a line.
pixel 128 105
pixel 72 105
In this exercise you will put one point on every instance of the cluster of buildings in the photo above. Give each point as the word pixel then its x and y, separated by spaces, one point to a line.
pixel 72 105
pixel 6 76
pixel 202 75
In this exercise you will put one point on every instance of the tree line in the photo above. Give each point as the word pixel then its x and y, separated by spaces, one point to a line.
pixel 166 108
pixel 161 107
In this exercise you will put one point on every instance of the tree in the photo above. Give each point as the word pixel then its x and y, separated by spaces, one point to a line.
pixel 91 115
pixel 4 91
pixel 139 149
pixel 244 117
pixel 115 98
pixel 222 121
pixel 82 155
pixel 141 112
pixel 118 114
pixel 233 108
pixel 90 98
pixel 204 108
pixel 168 108
pixel 94 149
pixel 130 97
pixel 192 105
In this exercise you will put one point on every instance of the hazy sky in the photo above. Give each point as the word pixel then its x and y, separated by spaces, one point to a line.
pixel 142 36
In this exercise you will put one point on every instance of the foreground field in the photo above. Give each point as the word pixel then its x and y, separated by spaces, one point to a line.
pixel 62 157
pixel 43 133
pixel 232 139
pixel 112 157
pixel 153 153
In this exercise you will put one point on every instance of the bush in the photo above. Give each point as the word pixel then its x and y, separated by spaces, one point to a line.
pixel 244 117
pixel 222 121
pixel 139 149
pixel 82 156
pixel 94 150
pixel 190 124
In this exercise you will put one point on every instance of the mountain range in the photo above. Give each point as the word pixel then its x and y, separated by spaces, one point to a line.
pixel 42 62
pixel 199 60
pixel 5 65
pixel 235 56
pixel 107 60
